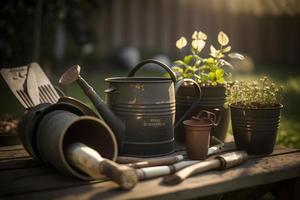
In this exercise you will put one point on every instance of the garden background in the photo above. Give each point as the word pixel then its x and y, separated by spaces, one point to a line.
pixel 108 37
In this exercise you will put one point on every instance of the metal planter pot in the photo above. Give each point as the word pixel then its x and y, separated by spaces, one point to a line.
pixel 255 130
pixel 212 98
pixel 47 130
pixel 61 129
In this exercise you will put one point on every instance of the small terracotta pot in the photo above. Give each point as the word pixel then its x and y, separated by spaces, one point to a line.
pixel 212 97
pixel 197 134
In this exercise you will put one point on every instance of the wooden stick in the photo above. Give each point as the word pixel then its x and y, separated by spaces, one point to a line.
pixel 157 171
pixel 157 161
pixel 90 161
pixel 166 160
pixel 224 161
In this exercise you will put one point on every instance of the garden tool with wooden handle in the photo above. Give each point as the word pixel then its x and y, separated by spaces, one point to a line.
pixel 152 171
pixel 90 162
pixel 166 160
pixel 221 162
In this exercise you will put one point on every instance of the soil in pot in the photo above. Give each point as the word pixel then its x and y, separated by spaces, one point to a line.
pixel 255 129
pixel 212 97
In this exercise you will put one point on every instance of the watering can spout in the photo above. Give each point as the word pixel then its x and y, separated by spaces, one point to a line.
pixel 117 126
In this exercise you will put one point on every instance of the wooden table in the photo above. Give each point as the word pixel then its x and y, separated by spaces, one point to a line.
pixel 21 177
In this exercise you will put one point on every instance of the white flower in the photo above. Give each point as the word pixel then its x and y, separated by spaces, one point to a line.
pixel 181 43
pixel 194 36
pixel 199 36
pixel 198 45
pixel 223 38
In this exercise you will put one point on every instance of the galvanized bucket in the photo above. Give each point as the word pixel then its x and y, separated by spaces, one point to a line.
pixel 147 106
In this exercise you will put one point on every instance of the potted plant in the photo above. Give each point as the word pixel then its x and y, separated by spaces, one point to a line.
pixel 255 114
pixel 210 72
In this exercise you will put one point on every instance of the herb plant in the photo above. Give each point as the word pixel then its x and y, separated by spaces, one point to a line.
pixel 254 94
pixel 205 70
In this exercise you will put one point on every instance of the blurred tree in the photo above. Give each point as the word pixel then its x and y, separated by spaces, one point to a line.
pixel 29 29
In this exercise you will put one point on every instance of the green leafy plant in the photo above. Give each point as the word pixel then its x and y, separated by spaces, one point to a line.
pixel 205 70
pixel 254 94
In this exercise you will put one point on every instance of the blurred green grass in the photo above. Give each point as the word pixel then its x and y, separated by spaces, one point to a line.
pixel 288 133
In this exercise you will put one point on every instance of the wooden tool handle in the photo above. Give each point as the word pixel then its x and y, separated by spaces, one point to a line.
pixel 90 161
pixel 125 176
pixel 156 162
pixel 224 161
pixel 189 171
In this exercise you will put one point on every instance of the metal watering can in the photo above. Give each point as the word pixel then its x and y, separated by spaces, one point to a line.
pixel 140 110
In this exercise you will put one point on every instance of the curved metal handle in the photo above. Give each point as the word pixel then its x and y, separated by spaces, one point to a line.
pixel 141 64
pixel 220 114
pixel 210 115
pixel 198 93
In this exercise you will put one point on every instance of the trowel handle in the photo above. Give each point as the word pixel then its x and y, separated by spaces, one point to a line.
pixel 232 159
pixel 222 162
pixel 90 162
pixel 125 176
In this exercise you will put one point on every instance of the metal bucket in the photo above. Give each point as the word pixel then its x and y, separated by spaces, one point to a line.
pixel 147 107
pixel 47 130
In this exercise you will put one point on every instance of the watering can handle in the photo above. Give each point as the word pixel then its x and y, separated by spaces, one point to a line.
pixel 195 103
pixel 141 64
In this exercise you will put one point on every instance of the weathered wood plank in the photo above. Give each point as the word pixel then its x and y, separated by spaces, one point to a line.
pixel 18 163
pixel 35 179
pixel 13 154
pixel 255 172
pixel 28 172
pixel 11 147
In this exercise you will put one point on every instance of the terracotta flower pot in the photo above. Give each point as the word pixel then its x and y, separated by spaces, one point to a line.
pixel 255 130
pixel 197 134
pixel 212 98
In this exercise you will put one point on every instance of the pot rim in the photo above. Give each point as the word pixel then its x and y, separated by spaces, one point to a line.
pixel 207 86
pixel 278 106
pixel 140 79
pixel 190 123
pixel 94 119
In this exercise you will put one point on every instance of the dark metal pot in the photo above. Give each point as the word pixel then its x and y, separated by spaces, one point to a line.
pixel 47 129
pixel 255 130
pixel 212 99
pixel 146 106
